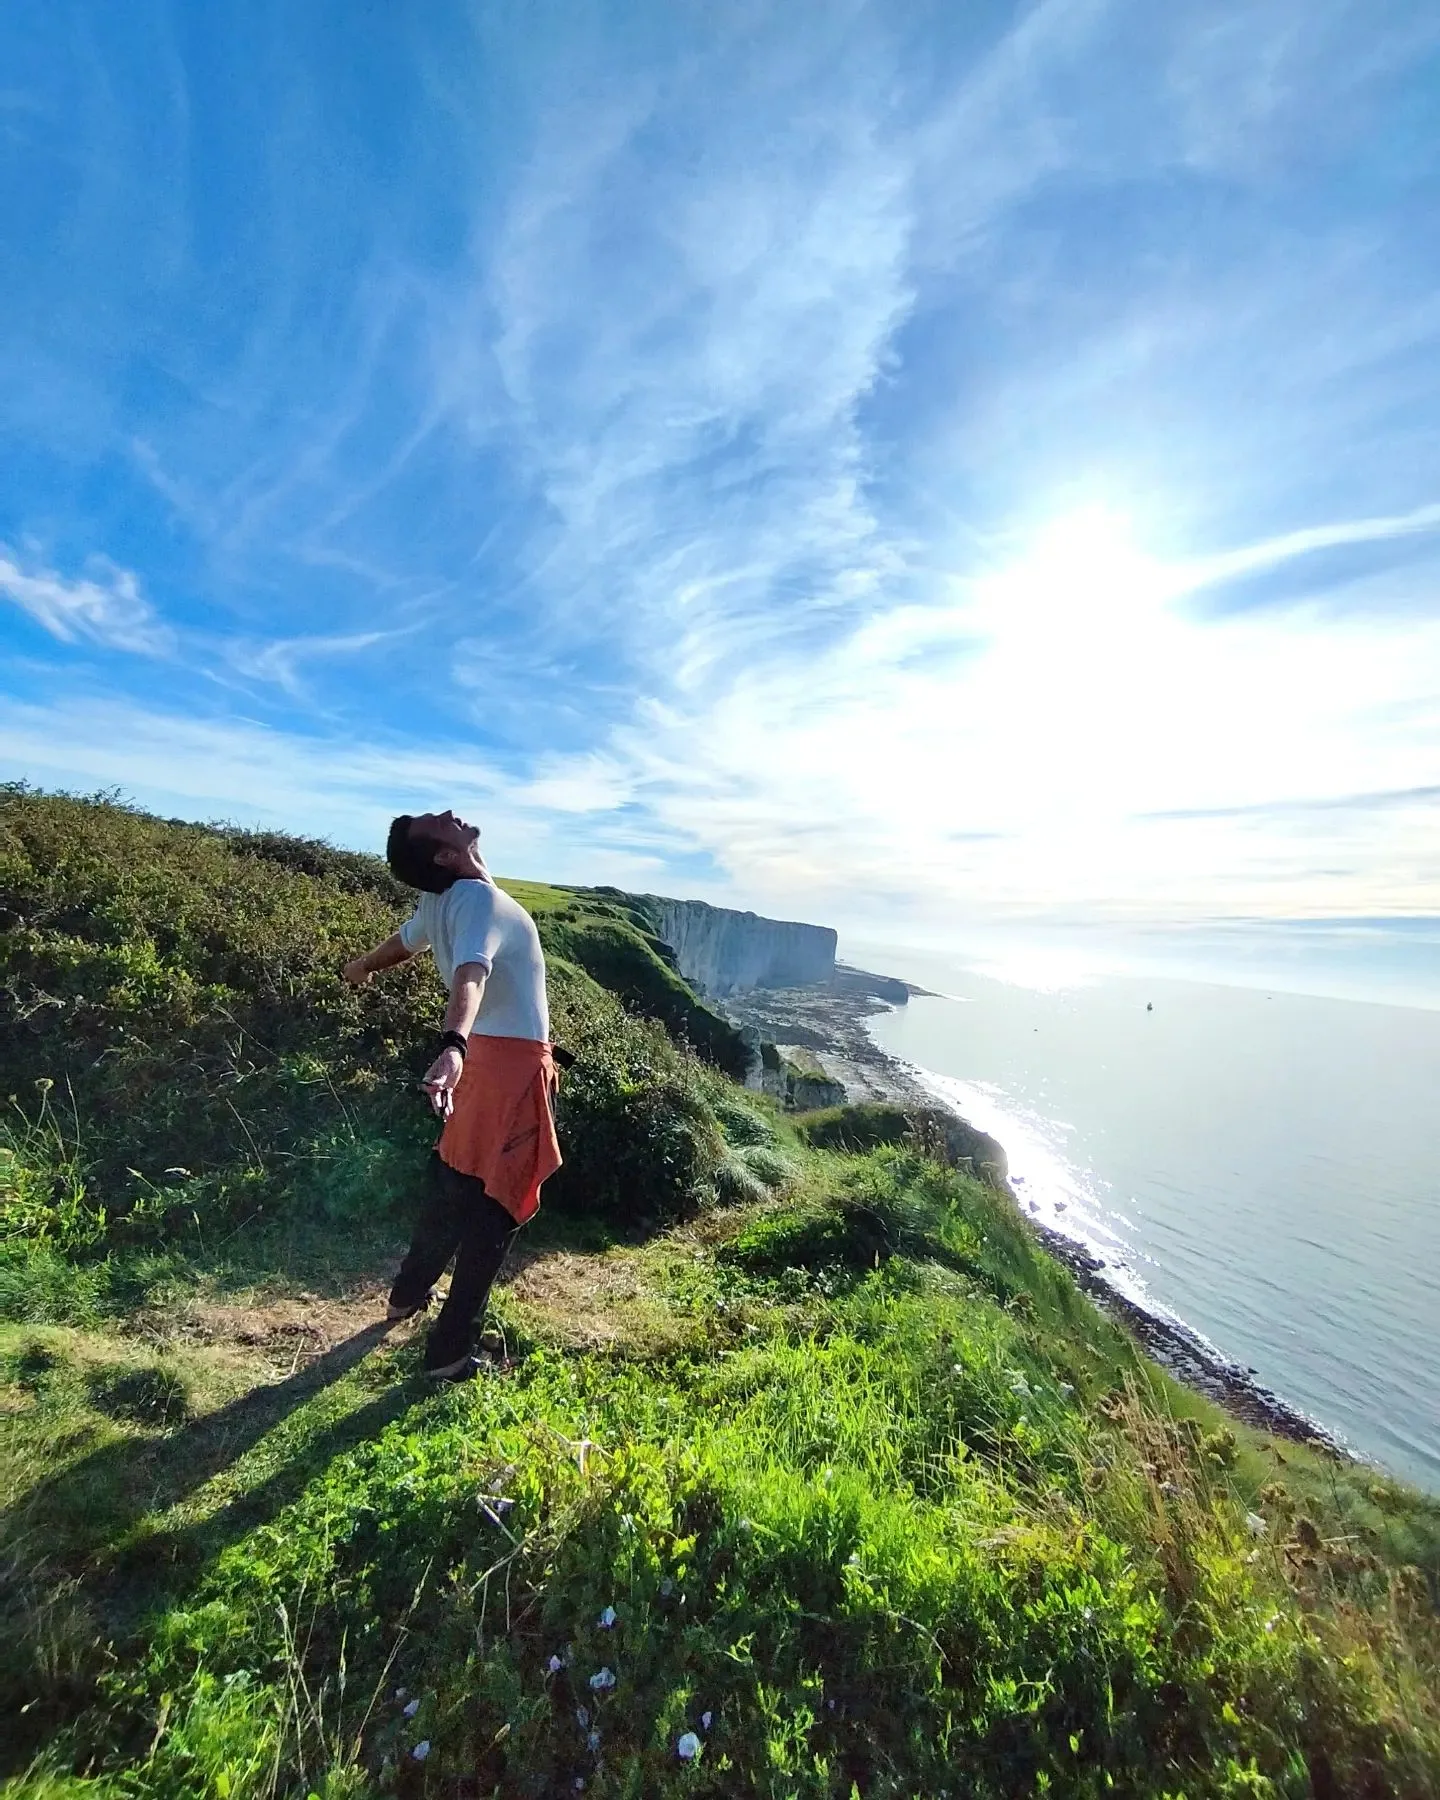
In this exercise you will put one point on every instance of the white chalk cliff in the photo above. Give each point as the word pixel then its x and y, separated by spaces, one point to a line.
pixel 719 951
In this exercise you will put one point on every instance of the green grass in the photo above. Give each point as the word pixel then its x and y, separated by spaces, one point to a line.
pixel 882 1505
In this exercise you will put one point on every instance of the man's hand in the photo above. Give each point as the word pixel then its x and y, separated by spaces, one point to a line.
pixel 441 1080
pixel 388 955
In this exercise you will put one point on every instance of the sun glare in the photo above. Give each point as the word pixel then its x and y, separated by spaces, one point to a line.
pixel 1082 581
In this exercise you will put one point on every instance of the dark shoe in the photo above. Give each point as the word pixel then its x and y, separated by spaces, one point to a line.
pixel 465 1368
pixel 396 1313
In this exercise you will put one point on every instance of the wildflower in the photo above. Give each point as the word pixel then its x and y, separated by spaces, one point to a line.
pixel 582 1718
pixel 688 1748
pixel 607 1619
pixel 1272 1621
pixel 421 1750
pixel 411 1708
pixel 555 1665
pixel 1170 1489
pixel 705 1719
pixel 1255 1525
pixel 602 1679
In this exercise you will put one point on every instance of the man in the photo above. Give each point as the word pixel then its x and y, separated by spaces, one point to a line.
pixel 492 1083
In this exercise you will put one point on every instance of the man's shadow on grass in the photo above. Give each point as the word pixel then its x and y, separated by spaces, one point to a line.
pixel 86 1524
pixel 88 1518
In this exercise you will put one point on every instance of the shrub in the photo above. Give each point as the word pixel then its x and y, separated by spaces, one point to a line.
pixel 741 1123
pixel 932 1129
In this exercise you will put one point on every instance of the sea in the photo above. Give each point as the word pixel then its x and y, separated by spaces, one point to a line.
pixel 1263 1167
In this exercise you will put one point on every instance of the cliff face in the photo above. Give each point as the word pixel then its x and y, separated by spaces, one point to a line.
pixel 720 951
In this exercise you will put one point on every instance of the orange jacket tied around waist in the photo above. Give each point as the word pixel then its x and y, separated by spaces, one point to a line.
pixel 503 1126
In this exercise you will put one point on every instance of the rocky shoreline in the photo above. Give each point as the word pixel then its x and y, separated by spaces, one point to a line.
pixel 829 1020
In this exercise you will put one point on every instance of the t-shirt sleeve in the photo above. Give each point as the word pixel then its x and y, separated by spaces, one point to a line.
pixel 477 928
pixel 413 934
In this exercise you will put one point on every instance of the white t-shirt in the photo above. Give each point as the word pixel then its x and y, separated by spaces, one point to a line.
pixel 477 922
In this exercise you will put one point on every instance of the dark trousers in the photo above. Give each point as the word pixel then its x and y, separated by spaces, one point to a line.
pixel 458 1219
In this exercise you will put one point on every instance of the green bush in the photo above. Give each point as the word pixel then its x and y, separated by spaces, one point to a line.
pixel 743 1124
pixel 929 1128
pixel 640 1141
pixel 855 1128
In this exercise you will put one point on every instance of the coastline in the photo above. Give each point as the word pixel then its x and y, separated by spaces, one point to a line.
pixel 831 1021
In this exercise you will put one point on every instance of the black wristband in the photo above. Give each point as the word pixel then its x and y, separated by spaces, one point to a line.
pixel 455 1040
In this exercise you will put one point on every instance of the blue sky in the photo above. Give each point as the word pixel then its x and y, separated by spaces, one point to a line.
pixel 936 469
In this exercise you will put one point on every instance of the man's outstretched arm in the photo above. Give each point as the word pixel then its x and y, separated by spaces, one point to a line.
pixel 443 1075
pixel 384 956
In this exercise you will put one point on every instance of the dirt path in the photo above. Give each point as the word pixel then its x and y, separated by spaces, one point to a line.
pixel 569 1295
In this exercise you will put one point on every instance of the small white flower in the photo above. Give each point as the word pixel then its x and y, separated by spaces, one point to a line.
pixel 1272 1621
pixel 688 1748
pixel 555 1665
pixel 1089 1615
pixel 421 1750
pixel 705 1719
pixel 602 1679
pixel 1255 1525
pixel 606 1621
pixel 1066 1389
pixel 582 1718
pixel 412 1708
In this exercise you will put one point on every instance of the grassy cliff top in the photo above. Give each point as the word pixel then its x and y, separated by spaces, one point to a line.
pixel 813 1463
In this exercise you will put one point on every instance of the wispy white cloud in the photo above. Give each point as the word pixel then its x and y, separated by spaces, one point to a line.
pixel 334 785
pixel 691 429
pixel 1270 553
pixel 105 607
pixel 282 660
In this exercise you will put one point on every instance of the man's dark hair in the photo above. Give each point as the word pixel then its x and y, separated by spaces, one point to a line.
pixel 412 859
